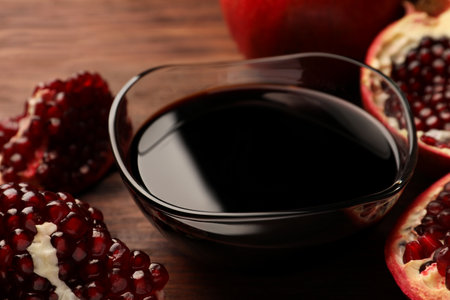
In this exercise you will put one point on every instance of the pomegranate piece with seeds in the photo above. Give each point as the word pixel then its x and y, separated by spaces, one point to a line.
pixel 60 248
pixel 60 142
pixel 418 249
pixel 415 52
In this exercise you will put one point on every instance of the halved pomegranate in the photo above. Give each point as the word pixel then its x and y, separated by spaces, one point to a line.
pixel 415 52
pixel 53 246
pixel 60 142
pixel 418 249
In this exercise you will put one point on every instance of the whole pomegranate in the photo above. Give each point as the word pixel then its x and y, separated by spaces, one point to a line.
pixel 415 52
pixel 273 27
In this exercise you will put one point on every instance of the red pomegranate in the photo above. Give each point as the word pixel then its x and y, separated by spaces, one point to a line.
pixel 53 246
pixel 60 142
pixel 415 52
pixel 418 249
pixel 273 27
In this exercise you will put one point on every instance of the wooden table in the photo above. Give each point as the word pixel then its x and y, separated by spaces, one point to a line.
pixel 42 40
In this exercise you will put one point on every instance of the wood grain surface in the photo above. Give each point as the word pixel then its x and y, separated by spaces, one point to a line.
pixel 42 40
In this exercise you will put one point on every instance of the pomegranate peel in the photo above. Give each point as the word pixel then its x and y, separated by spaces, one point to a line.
pixel 61 140
pixel 54 246
pixel 415 52
pixel 414 255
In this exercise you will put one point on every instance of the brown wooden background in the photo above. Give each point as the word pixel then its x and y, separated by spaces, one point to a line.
pixel 42 40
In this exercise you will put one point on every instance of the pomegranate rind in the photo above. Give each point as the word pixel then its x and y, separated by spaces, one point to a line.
pixel 414 284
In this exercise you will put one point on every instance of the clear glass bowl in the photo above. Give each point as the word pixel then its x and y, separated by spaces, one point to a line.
pixel 250 236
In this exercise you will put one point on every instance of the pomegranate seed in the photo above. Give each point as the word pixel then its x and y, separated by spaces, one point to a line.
pixel 80 252
pixel 30 218
pixel 24 263
pixel 57 210
pixel 92 270
pixel 160 275
pixel 119 283
pixel 95 291
pixel 429 244
pixel 119 254
pixel 139 260
pixel 444 218
pixel 6 255
pixel 442 258
pixel 66 270
pixel 9 198
pixel 20 240
pixel 100 242
pixel 413 251
pixel 39 284
pixel 74 225
pixel 444 197
pixel 142 282
pixel 434 207
pixel 61 244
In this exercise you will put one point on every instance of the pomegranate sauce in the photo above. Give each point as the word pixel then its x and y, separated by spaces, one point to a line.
pixel 262 148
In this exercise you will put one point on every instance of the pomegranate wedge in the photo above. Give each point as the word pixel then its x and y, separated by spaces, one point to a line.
pixel 53 246
pixel 415 53
pixel 60 142
pixel 418 249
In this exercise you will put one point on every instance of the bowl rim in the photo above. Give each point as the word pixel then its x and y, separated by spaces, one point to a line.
pixel 397 186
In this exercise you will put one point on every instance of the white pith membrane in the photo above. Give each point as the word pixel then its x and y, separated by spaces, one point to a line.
pixel 397 41
pixel 428 284
pixel 45 261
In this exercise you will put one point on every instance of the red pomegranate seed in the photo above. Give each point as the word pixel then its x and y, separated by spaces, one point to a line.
pixel 20 240
pixel 57 210
pixel 6 255
pixel 9 198
pixel 66 270
pixel 139 260
pixel 444 218
pixel 100 242
pixel 74 225
pixel 119 283
pixel 442 258
pixel 119 254
pixel 444 197
pixel 160 275
pixel 61 243
pixel 39 284
pixel 30 217
pixel 142 282
pixel 24 263
pixel 413 250
pixel 92 270
pixel 429 244
pixel 95 291
pixel 434 207
pixel 80 252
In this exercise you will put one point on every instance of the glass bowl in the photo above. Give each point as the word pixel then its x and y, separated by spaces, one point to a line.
pixel 251 235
